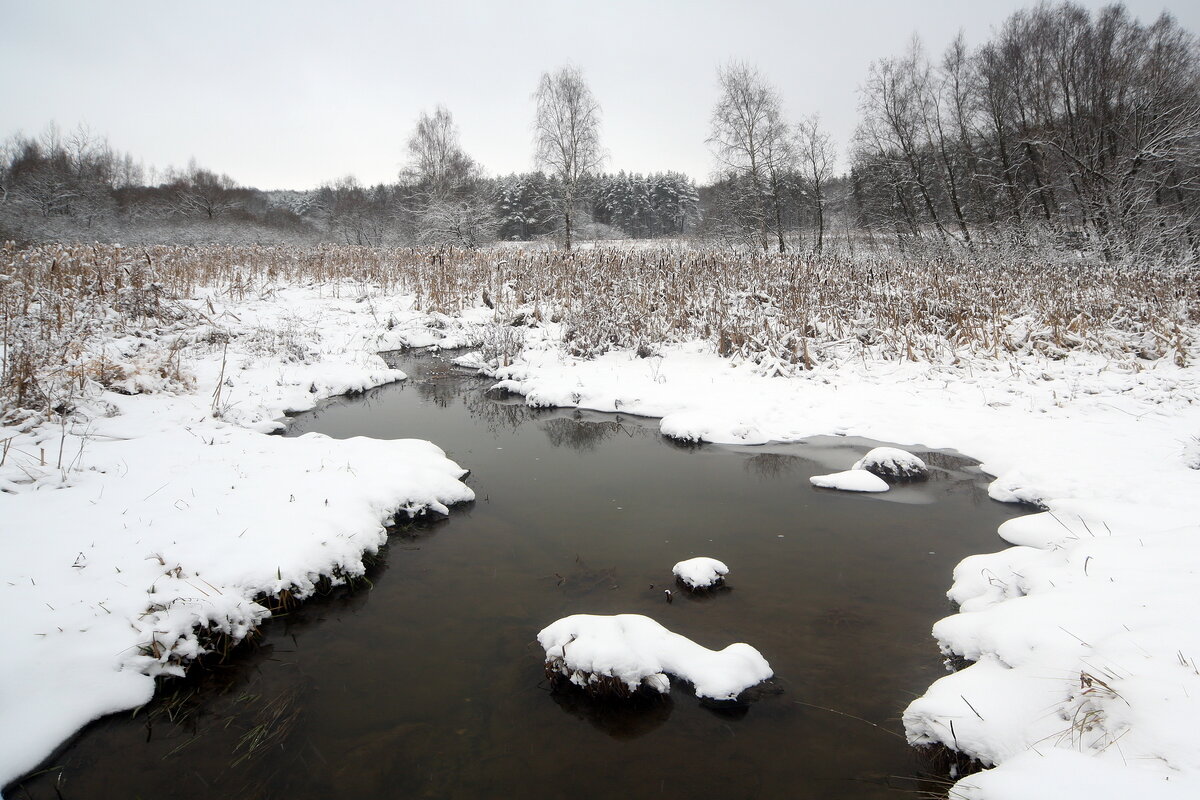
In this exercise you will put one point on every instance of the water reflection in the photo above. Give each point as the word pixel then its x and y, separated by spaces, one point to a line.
pixel 440 393
pixel 499 416
pixel 618 719
pixel 702 595
pixel 772 465
pixel 578 434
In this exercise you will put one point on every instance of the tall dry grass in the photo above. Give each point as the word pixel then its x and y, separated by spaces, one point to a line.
pixel 786 312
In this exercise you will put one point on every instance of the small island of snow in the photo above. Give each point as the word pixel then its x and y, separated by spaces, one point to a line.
pixel 700 572
pixel 854 480
pixel 623 653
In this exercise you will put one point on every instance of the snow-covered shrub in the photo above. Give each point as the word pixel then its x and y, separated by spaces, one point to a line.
pixel 892 462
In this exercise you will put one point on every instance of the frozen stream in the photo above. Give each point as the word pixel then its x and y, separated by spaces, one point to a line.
pixel 430 683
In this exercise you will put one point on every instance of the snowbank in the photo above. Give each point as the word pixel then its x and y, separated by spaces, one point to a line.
pixel 145 524
pixel 700 572
pixel 1084 634
pixel 637 651
pixel 852 480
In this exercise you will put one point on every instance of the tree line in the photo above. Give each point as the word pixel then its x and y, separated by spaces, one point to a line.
pixel 1066 128
pixel 77 186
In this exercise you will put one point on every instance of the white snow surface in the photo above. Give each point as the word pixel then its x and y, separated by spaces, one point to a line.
pixel 1084 633
pixel 638 651
pixel 700 572
pixel 892 462
pixel 161 522
pixel 852 480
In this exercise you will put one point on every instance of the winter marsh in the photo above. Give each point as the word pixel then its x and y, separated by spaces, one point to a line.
pixel 429 682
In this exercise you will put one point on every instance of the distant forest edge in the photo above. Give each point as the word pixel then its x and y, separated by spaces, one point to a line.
pixel 1067 129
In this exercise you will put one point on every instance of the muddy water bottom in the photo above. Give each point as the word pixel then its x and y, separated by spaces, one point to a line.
pixel 429 684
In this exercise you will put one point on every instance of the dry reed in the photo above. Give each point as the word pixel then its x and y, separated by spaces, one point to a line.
pixel 784 312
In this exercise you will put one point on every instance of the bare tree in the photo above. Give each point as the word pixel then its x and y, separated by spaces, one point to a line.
pixel 465 222
pixel 55 177
pixel 750 140
pixel 357 214
pixel 567 133
pixel 202 192
pixel 447 201
pixel 436 160
pixel 815 154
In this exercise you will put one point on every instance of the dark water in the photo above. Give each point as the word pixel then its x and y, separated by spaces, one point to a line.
pixel 430 683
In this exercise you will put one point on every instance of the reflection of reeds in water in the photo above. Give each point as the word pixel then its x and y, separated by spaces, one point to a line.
pixel 440 392
pixel 585 435
pixel 771 465
pixel 497 415
pixel 577 435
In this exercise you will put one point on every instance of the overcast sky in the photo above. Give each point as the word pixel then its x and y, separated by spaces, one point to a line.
pixel 291 94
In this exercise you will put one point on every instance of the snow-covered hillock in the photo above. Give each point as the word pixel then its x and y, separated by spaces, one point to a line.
pixel 700 572
pixel 892 462
pixel 634 652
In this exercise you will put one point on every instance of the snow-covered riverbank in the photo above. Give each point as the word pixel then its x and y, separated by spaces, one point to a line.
pixel 1086 683
pixel 159 517
pixel 143 522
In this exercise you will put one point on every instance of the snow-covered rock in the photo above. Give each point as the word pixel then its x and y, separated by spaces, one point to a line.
pixel 852 480
pixel 700 572
pixel 635 651
pixel 892 462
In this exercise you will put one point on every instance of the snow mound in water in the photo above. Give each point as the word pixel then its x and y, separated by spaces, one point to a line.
pixel 854 480
pixel 892 462
pixel 700 572
pixel 634 651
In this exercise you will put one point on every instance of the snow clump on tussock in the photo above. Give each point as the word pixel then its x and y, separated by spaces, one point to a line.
pixel 892 462
pixel 852 480
pixel 700 572
pixel 623 653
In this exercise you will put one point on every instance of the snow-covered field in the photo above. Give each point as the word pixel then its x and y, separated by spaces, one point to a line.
pixel 145 518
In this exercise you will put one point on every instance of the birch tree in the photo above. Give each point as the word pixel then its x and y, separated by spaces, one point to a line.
pixel 567 134
pixel 751 141
pixel 436 159
pixel 815 155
